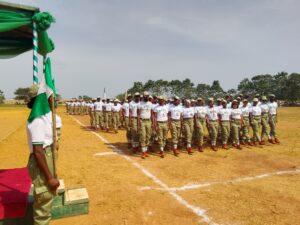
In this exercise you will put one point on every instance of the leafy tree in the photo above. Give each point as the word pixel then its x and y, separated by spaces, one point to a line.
pixel 293 88
pixel 216 90
pixel 263 84
pixel 22 94
pixel 2 97
pixel 203 90
pixel 246 87
pixel 137 87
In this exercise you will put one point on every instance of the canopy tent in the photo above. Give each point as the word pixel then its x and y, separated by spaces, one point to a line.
pixel 17 30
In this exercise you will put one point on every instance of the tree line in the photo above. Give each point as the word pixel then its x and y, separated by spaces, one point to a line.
pixel 285 86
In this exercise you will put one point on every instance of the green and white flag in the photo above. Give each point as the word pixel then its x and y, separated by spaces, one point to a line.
pixel 46 89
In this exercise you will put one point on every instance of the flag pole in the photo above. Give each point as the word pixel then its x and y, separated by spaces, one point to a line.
pixel 54 134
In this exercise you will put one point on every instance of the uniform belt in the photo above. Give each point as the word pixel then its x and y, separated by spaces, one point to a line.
pixel 175 119
pixel 225 120
pixel 187 118
pixel 145 119
pixel 256 116
pixel 98 110
pixel 162 121
pixel 235 119
pixel 213 120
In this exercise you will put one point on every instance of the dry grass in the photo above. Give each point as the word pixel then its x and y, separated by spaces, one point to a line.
pixel 113 183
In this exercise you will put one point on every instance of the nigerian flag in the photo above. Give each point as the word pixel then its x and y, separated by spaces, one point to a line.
pixel 46 89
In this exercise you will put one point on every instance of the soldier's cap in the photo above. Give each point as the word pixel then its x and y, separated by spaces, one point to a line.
pixel 255 100
pixel 150 97
pixel 245 100
pixel 146 93
pixel 129 95
pixel 211 99
pixel 234 101
pixel 241 95
pixel 136 94
pixel 272 95
pixel 176 97
pixel 94 99
pixel 126 100
pixel 199 99
pixel 188 101
pixel 224 101
pixel 257 95
pixel 219 99
pixel 33 90
pixel 192 100
pixel 116 100
pixel 141 96
pixel 238 98
pixel 264 98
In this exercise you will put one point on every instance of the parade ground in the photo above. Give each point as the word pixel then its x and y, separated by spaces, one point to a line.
pixel 254 186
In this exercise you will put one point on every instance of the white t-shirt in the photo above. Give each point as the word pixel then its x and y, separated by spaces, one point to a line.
pixel 212 113
pixel 264 108
pixel 125 107
pixel 273 108
pixel 145 109
pixel 175 112
pixel 116 108
pixel 58 122
pixel 188 113
pixel 161 113
pixel 98 106
pixel 154 105
pixel 39 131
pixel 245 111
pixel 108 107
pixel 201 111
pixel 225 114
pixel 229 105
pixel 133 108
pixel 236 113
pixel 255 110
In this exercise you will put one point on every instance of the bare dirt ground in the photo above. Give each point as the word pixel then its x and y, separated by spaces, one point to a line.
pixel 258 185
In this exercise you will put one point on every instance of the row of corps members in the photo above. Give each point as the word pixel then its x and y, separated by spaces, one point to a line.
pixel 77 107
pixel 104 114
pixel 188 119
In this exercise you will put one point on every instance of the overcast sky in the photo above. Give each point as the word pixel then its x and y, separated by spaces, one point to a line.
pixel 112 43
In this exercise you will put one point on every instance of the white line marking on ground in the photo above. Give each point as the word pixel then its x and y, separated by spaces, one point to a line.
pixel 10 133
pixel 237 180
pixel 105 153
pixel 196 210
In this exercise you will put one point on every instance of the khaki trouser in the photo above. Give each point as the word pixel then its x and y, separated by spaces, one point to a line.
pixel 128 129
pixel 255 122
pixel 225 131
pixel 115 120
pixel 134 132
pixel 265 131
pixel 72 110
pixel 273 122
pixel 188 127
pixel 108 119
pixel 43 196
pixel 175 131
pixel 213 131
pixel 236 126
pixel 99 118
pixel 199 128
pixel 162 133
pixel 145 132
pixel 92 118
pixel 77 110
pixel 245 129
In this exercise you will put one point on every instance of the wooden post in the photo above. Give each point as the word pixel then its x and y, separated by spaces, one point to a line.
pixel 54 134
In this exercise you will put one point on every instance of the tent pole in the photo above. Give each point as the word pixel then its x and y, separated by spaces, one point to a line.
pixel 54 134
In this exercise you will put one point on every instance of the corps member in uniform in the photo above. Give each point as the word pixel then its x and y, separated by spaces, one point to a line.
pixel 116 109
pixel 188 114
pixel 265 128
pixel 212 120
pixel 40 165
pixel 125 114
pixel 200 117
pixel 246 123
pixel 255 120
pixel 98 107
pixel 108 114
pixel 161 124
pixel 175 117
pixel 224 117
pixel 145 123
pixel 133 118
pixel 273 118
pixel 236 124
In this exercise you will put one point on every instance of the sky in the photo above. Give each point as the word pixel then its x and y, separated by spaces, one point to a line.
pixel 113 43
